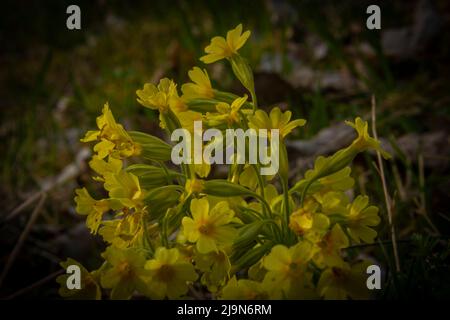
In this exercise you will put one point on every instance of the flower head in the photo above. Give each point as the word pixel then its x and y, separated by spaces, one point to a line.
pixel 360 218
pixel 88 280
pixel 209 229
pixel 308 223
pixel 201 86
pixel 364 141
pixel 194 186
pixel 276 120
pixel 170 274
pixel 287 268
pixel 215 267
pixel 344 282
pixel 187 119
pixel 165 98
pixel 112 137
pixel 244 290
pixel 338 181
pixel 332 202
pixel 221 48
pixel 127 231
pixel 125 272
pixel 94 209
pixel 105 168
pixel 125 188
pixel 226 114
pixel 327 251
pixel 158 97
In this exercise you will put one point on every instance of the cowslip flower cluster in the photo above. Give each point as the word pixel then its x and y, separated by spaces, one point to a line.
pixel 172 231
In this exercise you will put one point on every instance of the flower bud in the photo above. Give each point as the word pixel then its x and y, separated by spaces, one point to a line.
pixel 153 148
pixel 151 176
pixel 160 199
pixel 248 233
pixel 243 72
pixel 224 188
pixel 252 256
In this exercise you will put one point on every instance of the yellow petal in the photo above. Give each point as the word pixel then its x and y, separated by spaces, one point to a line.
pixel 200 209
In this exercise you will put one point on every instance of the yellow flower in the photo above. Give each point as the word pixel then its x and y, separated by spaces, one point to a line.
pixel 215 267
pixel 309 224
pixel 248 178
pixel 328 250
pixel 125 273
pixel 104 168
pixel 125 188
pixel 338 162
pixel 364 141
pixel 90 289
pixel 170 274
pixel 339 283
pixel 201 86
pixel 194 186
pixel 187 119
pixel 276 120
pixel 114 140
pixel 158 97
pixel 226 114
pixel 125 232
pixel 360 219
pixel 163 98
pixel 332 202
pixel 94 209
pixel 244 290
pixel 338 181
pixel 219 48
pixel 257 271
pixel 202 170
pixel 287 268
pixel 209 229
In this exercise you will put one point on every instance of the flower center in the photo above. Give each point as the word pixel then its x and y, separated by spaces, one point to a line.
pixel 206 229
pixel 293 266
pixel 338 274
pixel 125 269
pixel 233 117
pixel 165 273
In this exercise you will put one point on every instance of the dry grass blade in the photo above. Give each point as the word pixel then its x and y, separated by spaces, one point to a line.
pixel 387 198
pixel 23 206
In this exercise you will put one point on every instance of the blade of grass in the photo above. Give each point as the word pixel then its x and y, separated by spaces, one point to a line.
pixel 385 191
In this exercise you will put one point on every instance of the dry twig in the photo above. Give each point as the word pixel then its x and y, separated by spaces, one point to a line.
pixel 35 285
pixel 22 238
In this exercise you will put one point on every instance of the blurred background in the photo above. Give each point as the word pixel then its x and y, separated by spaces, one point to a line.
pixel 316 58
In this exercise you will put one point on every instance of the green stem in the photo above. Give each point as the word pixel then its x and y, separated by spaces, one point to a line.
pixel 254 100
pixel 286 202
pixel 166 172
pixel 303 195
pixel 164 237
pixel 147 236
pixel 261 185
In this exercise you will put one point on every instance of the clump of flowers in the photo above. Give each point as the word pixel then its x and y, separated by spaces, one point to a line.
pixel 173 232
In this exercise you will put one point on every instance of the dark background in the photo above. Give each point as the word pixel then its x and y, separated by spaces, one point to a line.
pixel 314 57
